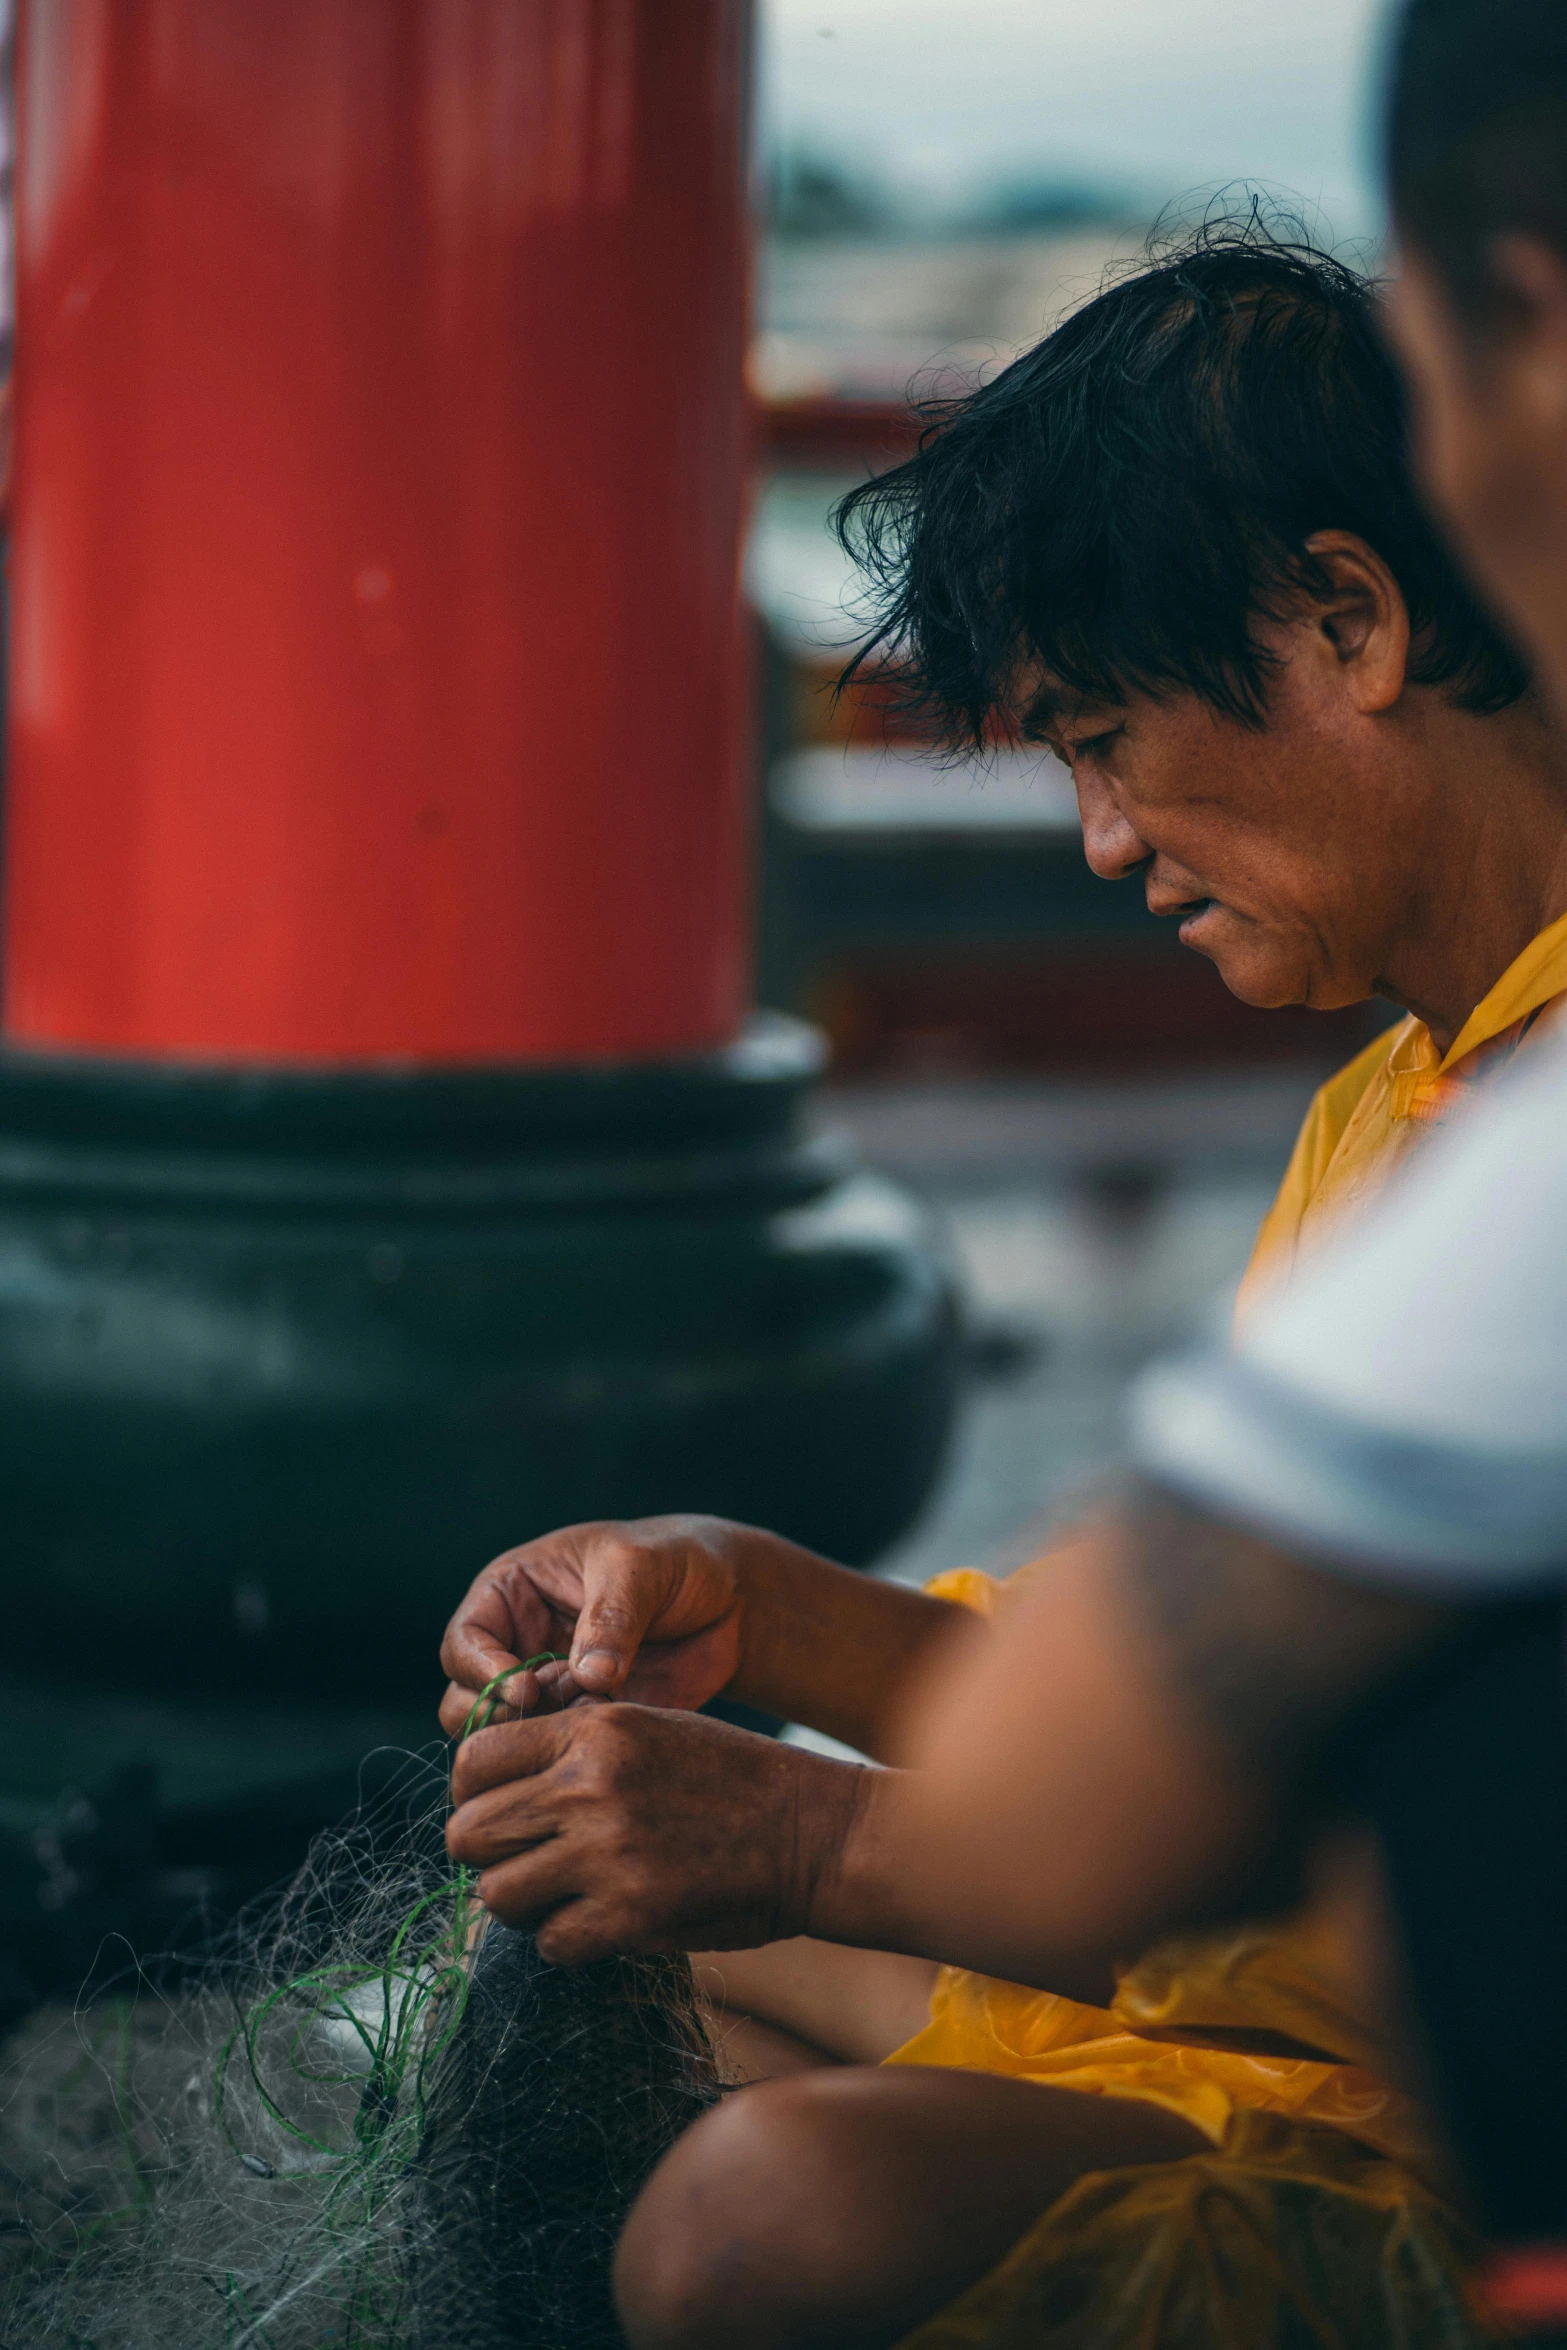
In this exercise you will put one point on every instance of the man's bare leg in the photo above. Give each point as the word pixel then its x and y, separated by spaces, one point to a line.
pixel 837 2210
pixel 794 2005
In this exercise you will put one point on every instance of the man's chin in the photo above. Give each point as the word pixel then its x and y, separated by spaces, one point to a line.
pixel 1250 982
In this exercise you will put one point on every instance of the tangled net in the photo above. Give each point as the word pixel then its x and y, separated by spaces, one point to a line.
pixel 378 2123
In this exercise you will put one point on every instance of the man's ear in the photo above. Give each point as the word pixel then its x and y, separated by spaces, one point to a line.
pixel 1362 614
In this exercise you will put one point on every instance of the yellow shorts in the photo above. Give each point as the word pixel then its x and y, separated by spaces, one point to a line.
pixel 1286 2237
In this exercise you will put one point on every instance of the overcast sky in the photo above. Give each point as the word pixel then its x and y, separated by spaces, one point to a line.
pixel 1164 95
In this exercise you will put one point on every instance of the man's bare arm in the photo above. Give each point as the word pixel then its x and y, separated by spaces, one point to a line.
pixel 1100 1768
pixel 836 1650
pixel 1121 1756
pixel 670 1611
pixel 1267 1651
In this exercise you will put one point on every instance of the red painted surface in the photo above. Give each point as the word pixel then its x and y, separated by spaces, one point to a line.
pixel 377 685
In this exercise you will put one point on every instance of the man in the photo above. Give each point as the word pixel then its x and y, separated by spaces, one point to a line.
pixel 1478 171
pixel 1177 542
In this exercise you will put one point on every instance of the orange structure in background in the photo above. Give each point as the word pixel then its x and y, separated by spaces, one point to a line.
pixel 377 686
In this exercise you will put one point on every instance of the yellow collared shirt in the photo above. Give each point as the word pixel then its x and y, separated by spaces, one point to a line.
pixel 1364 1122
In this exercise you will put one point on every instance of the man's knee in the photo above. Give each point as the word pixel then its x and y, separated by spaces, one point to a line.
pixel 840 2207
pixel 714 2254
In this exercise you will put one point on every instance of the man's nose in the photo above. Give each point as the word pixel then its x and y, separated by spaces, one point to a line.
pixel 1112 845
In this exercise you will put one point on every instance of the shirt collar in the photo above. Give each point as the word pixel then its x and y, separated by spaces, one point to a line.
pixel 1415 1066
pixel 1539 973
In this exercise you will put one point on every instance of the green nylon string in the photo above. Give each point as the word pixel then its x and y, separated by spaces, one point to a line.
pixel 487 1695
pixel 418 1994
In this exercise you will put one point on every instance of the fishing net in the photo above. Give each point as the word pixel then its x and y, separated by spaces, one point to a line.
pixel 377 2122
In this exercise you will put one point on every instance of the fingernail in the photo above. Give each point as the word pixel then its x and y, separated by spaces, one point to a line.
pixel 600 1664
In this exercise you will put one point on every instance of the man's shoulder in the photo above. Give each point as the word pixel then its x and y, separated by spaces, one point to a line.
pixel 1323 1128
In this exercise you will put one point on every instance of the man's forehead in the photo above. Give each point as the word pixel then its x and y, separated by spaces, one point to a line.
pixel 1043 702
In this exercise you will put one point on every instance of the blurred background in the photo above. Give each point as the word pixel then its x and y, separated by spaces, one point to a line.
pixel 1100 1124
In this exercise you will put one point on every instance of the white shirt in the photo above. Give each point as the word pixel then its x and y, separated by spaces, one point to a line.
pixel 1401 1408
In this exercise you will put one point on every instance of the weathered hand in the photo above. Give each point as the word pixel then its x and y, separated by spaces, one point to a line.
pixel 615 1828
pixel 647 1609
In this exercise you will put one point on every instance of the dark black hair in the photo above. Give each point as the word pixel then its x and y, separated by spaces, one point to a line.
pixel 1124 501
pixel 1477 135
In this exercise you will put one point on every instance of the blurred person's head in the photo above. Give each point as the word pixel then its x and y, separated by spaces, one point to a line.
pixel 1477 159
pixel 1179 543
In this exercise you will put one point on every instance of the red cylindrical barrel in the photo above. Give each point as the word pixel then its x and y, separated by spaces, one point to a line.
pixel 377 684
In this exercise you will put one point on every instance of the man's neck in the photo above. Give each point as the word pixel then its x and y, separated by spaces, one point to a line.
pixel 1496 878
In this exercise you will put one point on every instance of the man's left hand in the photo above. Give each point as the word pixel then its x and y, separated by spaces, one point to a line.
pixel 621 1828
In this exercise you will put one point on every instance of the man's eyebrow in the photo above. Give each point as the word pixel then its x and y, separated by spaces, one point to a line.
pixel 1050 707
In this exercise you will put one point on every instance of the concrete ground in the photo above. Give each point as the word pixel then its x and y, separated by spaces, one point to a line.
pixel 1094 1224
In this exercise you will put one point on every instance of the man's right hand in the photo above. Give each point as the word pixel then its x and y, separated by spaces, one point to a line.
pixel 648 1609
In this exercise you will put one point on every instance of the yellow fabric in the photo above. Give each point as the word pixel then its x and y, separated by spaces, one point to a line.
pixel 996 2028
pixel 1365 1121
pixel 1313 2184
pixel 1284 2235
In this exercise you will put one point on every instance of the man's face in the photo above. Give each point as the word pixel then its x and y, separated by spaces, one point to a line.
pixel 1283 852
pixel 1491 439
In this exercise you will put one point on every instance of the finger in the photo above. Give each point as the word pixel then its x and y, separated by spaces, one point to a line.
pixel 502 1618
pixel 471 1658
pixel 501 1823
pixel 575 1933
pixel 623 1588
pixel 464 1712
pixel 542 1891
pixel 527 1887
pixel 574 1929
pixel 510 1751
pixel 557 1688
pixel 682 1674
pixel 456 1705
